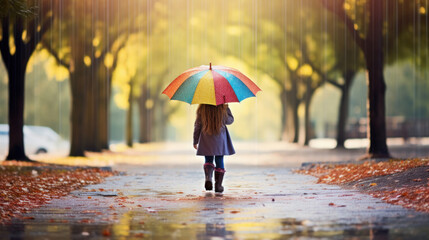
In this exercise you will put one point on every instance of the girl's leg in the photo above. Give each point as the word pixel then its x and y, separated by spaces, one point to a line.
pixel 219 173
pixel 208 171
pixel 219 162
pixel 209 159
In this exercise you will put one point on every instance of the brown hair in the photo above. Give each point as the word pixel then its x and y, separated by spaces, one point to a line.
pixel 211 117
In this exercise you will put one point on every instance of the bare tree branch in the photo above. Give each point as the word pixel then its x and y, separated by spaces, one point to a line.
pixel 18 28
pixel 35 39
pixel 4 43
pixel 337 7
pixel 334 83
pixel 115 58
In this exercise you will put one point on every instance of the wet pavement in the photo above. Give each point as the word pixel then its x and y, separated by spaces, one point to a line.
pixel 161 196
pixel 259 202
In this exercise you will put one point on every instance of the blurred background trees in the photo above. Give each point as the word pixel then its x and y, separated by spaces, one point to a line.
pixel 23 26
pixel 97 68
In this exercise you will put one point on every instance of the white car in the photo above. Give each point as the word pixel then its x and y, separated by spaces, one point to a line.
pixel 37 139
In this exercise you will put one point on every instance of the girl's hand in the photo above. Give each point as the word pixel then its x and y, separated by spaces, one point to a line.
pixel 195 146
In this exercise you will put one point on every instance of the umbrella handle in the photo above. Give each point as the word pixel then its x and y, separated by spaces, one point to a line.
pixel 210 66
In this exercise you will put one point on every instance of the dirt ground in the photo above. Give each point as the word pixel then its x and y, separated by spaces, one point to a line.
pixel 415 177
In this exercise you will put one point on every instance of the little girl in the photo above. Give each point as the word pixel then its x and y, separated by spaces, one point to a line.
pixel 211 139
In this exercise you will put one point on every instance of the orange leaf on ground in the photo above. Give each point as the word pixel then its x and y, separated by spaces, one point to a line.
pixel 416 197
pixel 21 189
pixel 106 232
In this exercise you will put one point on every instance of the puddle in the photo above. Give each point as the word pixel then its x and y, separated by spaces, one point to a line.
pixel 103 194
pixel 216 223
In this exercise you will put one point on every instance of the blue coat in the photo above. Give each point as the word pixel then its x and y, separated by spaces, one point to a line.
pixel 214 145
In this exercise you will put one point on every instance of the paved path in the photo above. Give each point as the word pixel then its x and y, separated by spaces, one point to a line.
pixel 259 202
pixel 161 196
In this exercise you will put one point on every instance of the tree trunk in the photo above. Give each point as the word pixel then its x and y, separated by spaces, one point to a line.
pixel 289 117
pixel 16 65
pixel 129 120
pixel 295 122
pixel 283 121
pixel 344 108
pixel 144 131
pixel 342 117
pixel 91 111
pixel 376 85
pixel 307 123
pixel 77 114
pixel 103 109
pixel 78 80
pixel 16 75
pixel 290 126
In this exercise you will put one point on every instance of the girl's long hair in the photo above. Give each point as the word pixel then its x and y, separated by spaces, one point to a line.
pixel 211 117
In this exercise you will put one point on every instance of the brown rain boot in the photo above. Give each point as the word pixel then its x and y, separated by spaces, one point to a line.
pixel 208 171
pixel 219 172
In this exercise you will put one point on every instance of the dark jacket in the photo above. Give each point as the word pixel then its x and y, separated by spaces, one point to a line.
pixel 214 145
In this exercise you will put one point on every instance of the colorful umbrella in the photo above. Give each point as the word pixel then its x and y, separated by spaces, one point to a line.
pixel 211 85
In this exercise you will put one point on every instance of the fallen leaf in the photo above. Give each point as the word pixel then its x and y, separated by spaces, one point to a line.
pixel 106 232
pixel 33 189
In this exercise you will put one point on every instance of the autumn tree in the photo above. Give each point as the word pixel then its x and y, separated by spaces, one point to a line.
pixel 348 61
pixel 339 67
pixel 142 73
pixel 369 34
pixel 21 33
pixel 128 76
pixel 18 7
pixel 91 36
pixel 289 42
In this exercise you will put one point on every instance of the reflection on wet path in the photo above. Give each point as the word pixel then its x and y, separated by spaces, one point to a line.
pixel 258 203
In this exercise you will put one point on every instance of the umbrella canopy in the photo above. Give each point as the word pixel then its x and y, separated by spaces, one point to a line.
pixel 212 85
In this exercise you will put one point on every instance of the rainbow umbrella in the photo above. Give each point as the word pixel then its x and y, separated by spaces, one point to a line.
pixel 211 85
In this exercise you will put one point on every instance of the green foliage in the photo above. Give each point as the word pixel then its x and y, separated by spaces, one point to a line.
pixel 406 95
pixel 47 99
